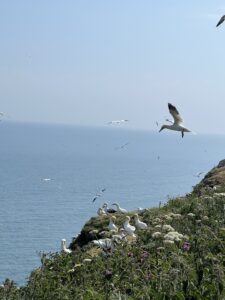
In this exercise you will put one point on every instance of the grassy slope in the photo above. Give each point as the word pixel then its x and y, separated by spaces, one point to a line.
pixel 146 268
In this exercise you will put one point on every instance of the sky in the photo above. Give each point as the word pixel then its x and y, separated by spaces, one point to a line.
pixel 87 62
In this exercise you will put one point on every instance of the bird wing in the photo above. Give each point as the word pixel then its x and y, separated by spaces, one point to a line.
pixel 174 112
pixel 221 21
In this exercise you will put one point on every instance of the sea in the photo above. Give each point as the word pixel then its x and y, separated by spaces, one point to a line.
pixel 49 175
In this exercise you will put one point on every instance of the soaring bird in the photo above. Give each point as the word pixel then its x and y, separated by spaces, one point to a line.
pixel 118 121
pixel 222 19
pixel 178 121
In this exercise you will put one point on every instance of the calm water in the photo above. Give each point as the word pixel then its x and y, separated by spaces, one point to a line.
pixel 35 214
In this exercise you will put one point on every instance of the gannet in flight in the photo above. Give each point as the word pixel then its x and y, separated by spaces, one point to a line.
pixel 118 121
pixel 222 19
pixel 178 121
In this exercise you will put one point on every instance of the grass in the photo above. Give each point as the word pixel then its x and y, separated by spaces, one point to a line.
pixel 193 267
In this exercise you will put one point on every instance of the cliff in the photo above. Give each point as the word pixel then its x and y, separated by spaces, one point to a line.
pixel 179 256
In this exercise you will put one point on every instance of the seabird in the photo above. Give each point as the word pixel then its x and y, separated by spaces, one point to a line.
pixel 128 228
pixel 63 247
pixel 108 210
pixel 199 174
pixel 178 121
pixel 120 209
pixel 105 244
pixel 98 194
pixel 121 147
pixel 222 19
pixel 112 226
pixel 101 212
pixel 139 224
pixel 118 121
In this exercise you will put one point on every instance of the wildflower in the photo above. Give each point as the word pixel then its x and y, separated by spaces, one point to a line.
pixel 168 242
pixel 186 246
pixel 87 260
pixel 130 254
pixel 198 221
pixel 108 274
pixel 168 218
pixel 205 218
pixel 71 270
pixel 191 215
pixel 158 226
pixel 144 256
pixel 167 228
pixel 160 248
pixel 156 234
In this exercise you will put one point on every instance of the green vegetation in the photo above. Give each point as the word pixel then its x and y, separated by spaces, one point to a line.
pixel 190 266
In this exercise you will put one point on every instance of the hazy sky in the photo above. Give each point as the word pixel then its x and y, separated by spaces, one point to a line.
pixel 89 62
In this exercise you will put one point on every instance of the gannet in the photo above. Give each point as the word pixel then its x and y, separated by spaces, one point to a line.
pixel 99 194
pixel 108 210
pixel 127 227
pixel 63 247
pixel 120 209
pixel 101 212
pixel 222 19
pixel 139 224
pixel 105 244
pixel 178 121
pixel 118 121
pixel 120 236
pixel 112 226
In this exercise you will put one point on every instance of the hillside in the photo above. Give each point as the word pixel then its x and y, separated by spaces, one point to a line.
pixel 181 255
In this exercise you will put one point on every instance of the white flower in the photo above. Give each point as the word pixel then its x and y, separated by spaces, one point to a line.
pixel 191 215
pixel 167 228
pixel 87 260
pixel 158 226
pixel 168 242
pixel 205 218
pixel 156 234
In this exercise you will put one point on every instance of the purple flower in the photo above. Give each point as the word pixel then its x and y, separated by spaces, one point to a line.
pixel 186 246
pixel 108 274
pixel 130 254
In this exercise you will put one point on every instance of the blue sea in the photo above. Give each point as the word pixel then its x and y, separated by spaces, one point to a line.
pixel 35 214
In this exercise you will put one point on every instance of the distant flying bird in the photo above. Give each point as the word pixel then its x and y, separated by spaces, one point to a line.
pixel 199 174
pixel 98 194
pixel 46 179
pixel 222 19
pixel 122 147
pixel 178 121
pixel 157 124
pixel 118 121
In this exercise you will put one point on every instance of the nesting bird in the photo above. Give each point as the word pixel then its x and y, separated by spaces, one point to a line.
pixel 63 247
pixel 139 224
pixel 120 209
pixel 127 227
pixel 108 210
pixel 105 244
pixel 112 226
pixel 101 212
pixel 178 121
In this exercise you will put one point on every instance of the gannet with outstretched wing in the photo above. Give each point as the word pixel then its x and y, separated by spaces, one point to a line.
pixel 178 121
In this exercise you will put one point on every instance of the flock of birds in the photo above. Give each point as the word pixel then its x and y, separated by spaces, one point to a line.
pixel 118 234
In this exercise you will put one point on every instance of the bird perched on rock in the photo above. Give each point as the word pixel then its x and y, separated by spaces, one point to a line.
pixel 63 247
pixel 112 226
pixel 139 224
pixel 127 227
pixel 107 209
pixel 120 209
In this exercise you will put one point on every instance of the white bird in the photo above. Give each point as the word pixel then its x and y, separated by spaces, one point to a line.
pixel 108 210
pixel 139 224
pixel 120 236
pixel 63 247
pixel 118 121
pixel 222 19
pixel 46 179
pixel 128 228
pixel 120 209
pixel 105 244
pixel 101 212
pixel 112 226
pixel 178 121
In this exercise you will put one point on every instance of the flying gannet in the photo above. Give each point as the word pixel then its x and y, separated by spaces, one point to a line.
pixel 222 19
pixel 118 121
pixel 178 121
